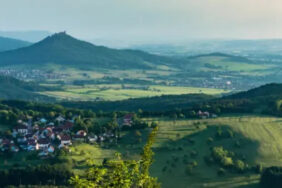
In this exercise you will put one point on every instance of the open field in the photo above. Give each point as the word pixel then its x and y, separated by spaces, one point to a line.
pixel 113 92
pixel 260 143
pixel 213 63
pixel 260 139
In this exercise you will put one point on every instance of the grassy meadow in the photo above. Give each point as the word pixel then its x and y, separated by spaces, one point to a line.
pixel 259 138
pixel 114 92
pixel 217 63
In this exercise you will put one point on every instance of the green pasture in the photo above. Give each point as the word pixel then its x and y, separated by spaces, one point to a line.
pixel 113 92
pixel 260 139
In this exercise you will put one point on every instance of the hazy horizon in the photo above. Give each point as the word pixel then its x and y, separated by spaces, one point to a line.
pixel 132 21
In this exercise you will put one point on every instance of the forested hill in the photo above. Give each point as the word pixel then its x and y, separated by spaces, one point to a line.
pixel 268 90
pixel 12 88
pixel 11 44
pixel 65 50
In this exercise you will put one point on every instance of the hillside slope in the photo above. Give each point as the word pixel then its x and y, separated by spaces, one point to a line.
pixel 268 90
pixel 65 50
pixel 11 44
pixel 14 89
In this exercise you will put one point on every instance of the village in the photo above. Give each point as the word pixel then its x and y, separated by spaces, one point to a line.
pixel 31 74
pixel 48 136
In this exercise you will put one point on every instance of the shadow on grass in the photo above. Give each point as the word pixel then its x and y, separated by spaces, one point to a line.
pixel 197 146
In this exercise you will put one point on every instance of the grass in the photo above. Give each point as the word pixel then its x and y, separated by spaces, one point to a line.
pixel 223 64
pixel 260 143
pixel 81 153
pixel 115 92
pixel 260 138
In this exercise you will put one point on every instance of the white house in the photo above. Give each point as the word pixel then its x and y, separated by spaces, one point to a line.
pixel 21 129
pixel 43 143
pixel 65 140
pixel 60 119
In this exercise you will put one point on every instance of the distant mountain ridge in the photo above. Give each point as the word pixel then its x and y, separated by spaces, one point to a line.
pixel 65 50
pixel 30 36
pixel 11 44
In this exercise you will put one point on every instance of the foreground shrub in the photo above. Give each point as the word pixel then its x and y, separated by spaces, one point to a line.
pixel 239 166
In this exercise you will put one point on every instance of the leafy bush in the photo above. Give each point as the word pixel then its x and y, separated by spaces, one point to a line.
pixel 239 166
pixel 226 161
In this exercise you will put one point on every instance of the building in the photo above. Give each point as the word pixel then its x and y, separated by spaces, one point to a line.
pixel 127 120
pixel 21 129
pixel 43 143
pixel 65 140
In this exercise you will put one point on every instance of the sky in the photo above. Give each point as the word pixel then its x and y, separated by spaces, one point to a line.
pixel 146 20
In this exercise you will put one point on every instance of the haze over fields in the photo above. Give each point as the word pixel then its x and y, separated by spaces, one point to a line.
pixel 133 21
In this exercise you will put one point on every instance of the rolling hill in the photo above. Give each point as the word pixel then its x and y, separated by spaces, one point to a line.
pixel 268 90
pixel 11 44
pixel 14 89
pixel 62 49
pixel 30 36
pixel 215 62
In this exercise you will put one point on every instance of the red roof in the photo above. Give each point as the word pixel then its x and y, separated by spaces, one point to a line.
pixel 6 141
pixel 43 141
pixel 65 137
pixel 67 125
pixel 128 116
pixel 31 142
pixel 78 136
pixel 57 129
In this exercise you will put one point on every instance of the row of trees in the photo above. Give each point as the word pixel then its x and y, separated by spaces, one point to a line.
pixel 39 175
pixel 272 177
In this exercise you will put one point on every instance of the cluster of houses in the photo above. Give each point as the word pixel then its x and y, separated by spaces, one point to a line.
pixel 33 74
pixel 48 137
pixel 206 115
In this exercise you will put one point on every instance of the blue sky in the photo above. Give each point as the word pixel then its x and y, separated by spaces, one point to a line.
pixel 146 20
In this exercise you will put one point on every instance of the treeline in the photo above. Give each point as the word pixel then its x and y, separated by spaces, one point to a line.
pixel 265 100
pixel 39 175
pixel 151 104
pixel 272 177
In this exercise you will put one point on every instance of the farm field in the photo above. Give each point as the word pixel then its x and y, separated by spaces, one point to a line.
pixel 113 92
pixel 214 63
